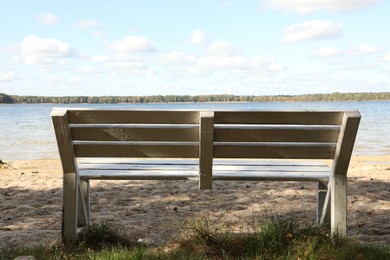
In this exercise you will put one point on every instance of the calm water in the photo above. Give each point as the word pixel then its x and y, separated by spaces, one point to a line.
pixel 26 131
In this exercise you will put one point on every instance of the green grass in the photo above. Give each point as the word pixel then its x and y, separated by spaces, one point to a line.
pixel 206 238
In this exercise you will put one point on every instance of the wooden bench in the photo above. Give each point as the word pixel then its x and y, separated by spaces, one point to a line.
pixel 205 146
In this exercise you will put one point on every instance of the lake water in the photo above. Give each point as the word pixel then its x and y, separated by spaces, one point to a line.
pixel 26 131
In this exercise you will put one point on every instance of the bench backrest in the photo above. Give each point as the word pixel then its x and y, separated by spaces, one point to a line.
pixel 206 135
pixel 276 134
pixel 136 133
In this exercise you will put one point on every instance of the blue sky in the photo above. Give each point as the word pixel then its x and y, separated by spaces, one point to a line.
pixel 269 47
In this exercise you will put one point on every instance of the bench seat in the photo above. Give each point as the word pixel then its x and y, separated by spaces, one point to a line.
pixel 238 170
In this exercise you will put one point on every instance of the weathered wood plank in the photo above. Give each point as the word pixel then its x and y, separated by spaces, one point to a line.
pixel 140 167
pixel 160 133
pixel 279 117
pixel 276 135
pixel 134 150
pixel 137 175
pixel 226 167
pixel 133 117
pixel 137 161
pixel 206 149
pixel 275 168
pixel 194 175
pixel 315 151
pixel 270 176
pixel 273 162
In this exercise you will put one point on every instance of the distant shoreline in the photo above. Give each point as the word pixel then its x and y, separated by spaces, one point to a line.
pixel 205 102
pixel 223 98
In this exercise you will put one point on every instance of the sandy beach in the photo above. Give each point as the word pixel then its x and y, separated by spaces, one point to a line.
pixel 31 194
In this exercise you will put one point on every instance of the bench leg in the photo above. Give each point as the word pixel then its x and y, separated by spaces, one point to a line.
pixel 338 220
pixel 70 208
pixel 83 210
pixel 322 190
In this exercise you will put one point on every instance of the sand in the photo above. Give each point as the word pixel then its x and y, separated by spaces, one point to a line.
pixel 154 211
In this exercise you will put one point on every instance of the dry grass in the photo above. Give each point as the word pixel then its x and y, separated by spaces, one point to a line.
pixel 275 237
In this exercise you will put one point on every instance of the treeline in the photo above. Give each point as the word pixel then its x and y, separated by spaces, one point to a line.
pixel 12 99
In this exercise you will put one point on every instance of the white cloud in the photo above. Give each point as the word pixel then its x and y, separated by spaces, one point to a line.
pixel 76 81
pixel 16 59
pixel 127 65
pixel 346 54
pixel 177 57
pixel 385 57
pixel 260 63
pixel 37 50
pixel 198 37
pixel 364 49
pixel 325 52
pixel 120 64
pixel 47 18
pixel 311 30
pixel 222 62
pixel 87 24
pixel 117 58
pixel 100 58
pixel 222 48
pixel 6 76
pixel 87 70
pixel 132 44
pixel 311 6
pixel 98 33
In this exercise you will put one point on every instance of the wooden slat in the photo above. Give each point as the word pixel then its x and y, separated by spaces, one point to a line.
pixel 148 161
pixel 136 175
pixel 276 135
pixel 279 117
pixel 270 176
pixel 193 175
pixel 140 167
pixel 142 151
pixel 136 134
pixel 274 168
pixel 206 134
pixel 314 151
pixel 135 161
pixel 226 168
pixel 133 117
pixel 273 162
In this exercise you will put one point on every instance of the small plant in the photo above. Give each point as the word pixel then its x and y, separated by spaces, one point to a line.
pixel 104 234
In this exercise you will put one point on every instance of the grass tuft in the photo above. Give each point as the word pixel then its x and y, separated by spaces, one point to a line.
pixel 104 234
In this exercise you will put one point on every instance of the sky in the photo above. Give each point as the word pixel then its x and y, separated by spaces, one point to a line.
pixel 173 47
